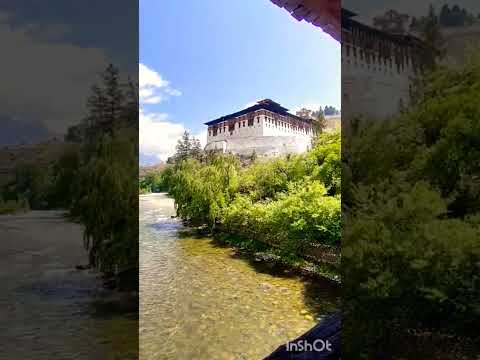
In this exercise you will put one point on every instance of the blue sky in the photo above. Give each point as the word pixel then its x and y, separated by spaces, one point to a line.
pixel 203 59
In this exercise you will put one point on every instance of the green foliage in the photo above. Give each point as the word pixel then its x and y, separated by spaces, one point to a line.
pixel 187 147
pixel 302 217
pixel 104 198
pixel 410 246
pixel 290 203
pixel 201 191
pixel 263 180
pixel 35 185
pixel 105 193
pixel 152 182
pixel 326 157
pixel 64 176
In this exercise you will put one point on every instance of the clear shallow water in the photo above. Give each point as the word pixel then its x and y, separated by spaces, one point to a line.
pixel 50 310
pixel 200 300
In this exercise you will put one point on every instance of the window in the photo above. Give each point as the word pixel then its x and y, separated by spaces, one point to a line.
pixel 250 121
pixel 244 124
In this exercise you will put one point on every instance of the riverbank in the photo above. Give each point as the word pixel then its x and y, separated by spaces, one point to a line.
pixel 320 262
pixel 261 252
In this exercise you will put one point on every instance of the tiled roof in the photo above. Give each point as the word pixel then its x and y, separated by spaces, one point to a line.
pixel 266 104
pixel 348 23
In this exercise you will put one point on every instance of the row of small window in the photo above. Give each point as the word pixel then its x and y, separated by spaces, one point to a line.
pixel 290 129
pixel 369 67
pixel 374 56
pixel 269 121
pixel 277 123
pixel 231 128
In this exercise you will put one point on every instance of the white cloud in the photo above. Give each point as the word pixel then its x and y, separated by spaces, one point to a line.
pixel 43 80
pixel 153 88
pixel 152 99
pixel 149 77
pixel 202 136
pixel 158 136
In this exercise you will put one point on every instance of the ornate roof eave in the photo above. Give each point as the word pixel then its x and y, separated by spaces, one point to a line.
pixel 265 104
pixel 325 14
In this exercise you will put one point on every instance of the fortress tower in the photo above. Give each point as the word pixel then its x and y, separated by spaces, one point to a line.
pixel 266 128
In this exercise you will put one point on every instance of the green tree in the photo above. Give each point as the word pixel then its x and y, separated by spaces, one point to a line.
pixel 187 147
pixel 433 41
pixel 319 122
pixel 444 18
pixel 196 149
pixel 183 148
pixel 106 196
pixel 104 189
pixel 112 105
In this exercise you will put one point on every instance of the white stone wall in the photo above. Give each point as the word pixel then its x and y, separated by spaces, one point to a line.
pixel 262 145
pixel 373 90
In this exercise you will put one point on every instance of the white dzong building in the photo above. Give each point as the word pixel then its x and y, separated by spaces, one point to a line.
pixel 266 129
pixel 378 70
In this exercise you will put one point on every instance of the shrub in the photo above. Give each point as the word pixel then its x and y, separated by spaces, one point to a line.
pixel 286 202
pixel 411 255
pixel 300 218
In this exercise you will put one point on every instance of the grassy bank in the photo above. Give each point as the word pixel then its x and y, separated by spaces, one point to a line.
pixel 263 252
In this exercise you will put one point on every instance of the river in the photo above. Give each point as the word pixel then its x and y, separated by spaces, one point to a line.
pixel 201 300
pixel 48 309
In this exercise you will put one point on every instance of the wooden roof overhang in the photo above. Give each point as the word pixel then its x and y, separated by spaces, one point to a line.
pixel 325 14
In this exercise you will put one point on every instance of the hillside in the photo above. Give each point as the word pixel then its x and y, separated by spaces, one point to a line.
pixel 144 170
